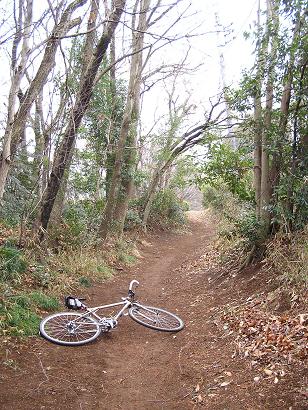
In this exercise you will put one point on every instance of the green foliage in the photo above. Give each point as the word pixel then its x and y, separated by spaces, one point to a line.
pixel 133 220
pixel 228 166
pixel 18 320
pixel 290 210
pixel 12 263
pixel 167 209
pixel 15 200
pixel 212 197
pixel 85 281
pixel 18 312
pixel 81 220
pixel 184 174
pixel 237 217
pixel 44 302
pixel 248 227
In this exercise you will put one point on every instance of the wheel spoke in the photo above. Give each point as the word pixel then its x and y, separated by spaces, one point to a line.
pixel 69 328
pixel 156 318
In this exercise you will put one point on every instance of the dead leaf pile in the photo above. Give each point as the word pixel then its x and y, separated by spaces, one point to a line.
pixel 268 339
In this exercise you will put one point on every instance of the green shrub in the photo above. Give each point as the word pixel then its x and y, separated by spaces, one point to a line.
pixel 12 263
pixel 212 197
pixel 132 220
pixel 85 281
pixel 42 276
pixel 167 209
pixel 81 220
pixel 44 302
pixel 249 228
pixel 236 218
pixel 18 319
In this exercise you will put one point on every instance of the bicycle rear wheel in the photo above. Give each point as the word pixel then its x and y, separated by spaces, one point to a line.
pixel 69 329
pixel 156 318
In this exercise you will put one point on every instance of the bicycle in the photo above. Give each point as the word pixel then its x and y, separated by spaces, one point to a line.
pixel 75 329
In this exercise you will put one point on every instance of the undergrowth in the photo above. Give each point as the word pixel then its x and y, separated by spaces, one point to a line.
pixel 285 254
pixel 20 312
pixel 32 281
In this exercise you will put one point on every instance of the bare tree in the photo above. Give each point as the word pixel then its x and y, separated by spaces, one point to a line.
pixel 112 223
pixel 16 121
pixel 186 141
pixel 84 94
pixel 266 191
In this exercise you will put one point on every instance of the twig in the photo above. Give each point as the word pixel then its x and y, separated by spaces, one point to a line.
pixel 42 367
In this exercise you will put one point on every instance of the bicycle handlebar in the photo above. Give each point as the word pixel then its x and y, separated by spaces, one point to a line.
pixel 133 282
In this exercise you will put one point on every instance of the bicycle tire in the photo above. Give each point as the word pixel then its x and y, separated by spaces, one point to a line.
pixel 69 329
pixel 156 318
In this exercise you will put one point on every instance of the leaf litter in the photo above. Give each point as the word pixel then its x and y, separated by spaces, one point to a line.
pixel 270 342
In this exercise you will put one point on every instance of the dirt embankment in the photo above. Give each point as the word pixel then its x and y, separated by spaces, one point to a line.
pixel 136 368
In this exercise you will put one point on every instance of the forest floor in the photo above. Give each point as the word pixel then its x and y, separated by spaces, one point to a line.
pixel 136 368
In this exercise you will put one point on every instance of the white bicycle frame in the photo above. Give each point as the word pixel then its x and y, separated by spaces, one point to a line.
pixel 112 321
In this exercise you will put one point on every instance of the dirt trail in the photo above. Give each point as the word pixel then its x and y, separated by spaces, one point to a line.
pixel 134 367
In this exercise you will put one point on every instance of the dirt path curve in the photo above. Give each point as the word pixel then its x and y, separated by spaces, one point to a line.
pixel 132 367
pixel 136 368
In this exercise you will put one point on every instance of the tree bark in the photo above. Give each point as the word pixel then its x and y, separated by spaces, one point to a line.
pixel 261 60
pixel 284 107
pixel 118 196
pixel 266 191
pixel 16 122
pixel 57 210
pixel 82 101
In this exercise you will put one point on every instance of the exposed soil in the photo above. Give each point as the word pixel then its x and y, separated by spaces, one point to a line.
pixel 137 368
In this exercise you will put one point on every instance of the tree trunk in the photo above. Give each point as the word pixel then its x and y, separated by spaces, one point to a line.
pixel 57 210
pixel 284 108
pixel 82 101
pixel 266 191
pixel 17 122
pixel 261 60
pixel 118 197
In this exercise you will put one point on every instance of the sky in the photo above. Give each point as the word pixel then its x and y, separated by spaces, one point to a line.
pixel 206 81
pixel 239 16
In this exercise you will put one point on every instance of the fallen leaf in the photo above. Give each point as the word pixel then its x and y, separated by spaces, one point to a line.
pixel 268 372
pixel 224 384
pixel 199 398
pixel 256 379
pixel 197 388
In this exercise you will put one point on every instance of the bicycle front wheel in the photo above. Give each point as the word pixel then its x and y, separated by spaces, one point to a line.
pixel 156 318
pixel 69 329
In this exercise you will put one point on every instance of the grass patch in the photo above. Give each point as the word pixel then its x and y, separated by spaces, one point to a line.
pixel 44 302
pixel 32 284
pixel 17 319
pixel 82 263
pixel 85 281
pixel 126 258
pixel 19 313
pixel 12 264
